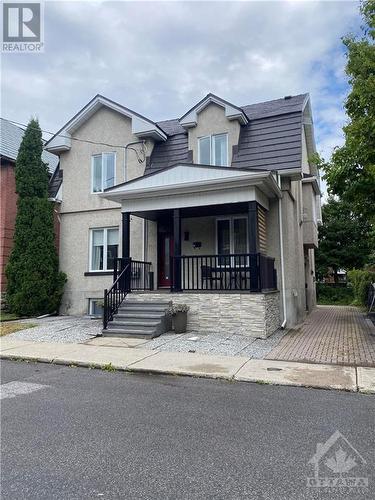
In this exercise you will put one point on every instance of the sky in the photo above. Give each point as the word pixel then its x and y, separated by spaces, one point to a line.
pixel 160 58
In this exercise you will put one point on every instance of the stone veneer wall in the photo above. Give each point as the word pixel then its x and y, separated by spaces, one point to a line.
pixel 256 315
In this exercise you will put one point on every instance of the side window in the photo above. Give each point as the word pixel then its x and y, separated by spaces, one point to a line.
pixel 103 172
pixel 104 248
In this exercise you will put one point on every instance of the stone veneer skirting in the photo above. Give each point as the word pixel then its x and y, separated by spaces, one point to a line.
pixel 256 315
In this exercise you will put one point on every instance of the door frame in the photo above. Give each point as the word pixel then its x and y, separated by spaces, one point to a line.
pixel 161 235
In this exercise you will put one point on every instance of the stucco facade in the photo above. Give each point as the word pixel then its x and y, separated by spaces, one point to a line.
pixel 81 210
pixel 281 193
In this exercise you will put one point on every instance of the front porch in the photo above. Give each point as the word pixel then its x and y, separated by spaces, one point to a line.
pixel 209 251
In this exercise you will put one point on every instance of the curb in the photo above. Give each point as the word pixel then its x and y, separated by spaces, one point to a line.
pixel 216 376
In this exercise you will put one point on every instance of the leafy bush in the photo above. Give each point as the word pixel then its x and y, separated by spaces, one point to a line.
pixel 361 280
pixel 333 295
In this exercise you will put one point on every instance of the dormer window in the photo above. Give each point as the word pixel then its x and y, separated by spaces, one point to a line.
pixel 213 150
pixel 103 168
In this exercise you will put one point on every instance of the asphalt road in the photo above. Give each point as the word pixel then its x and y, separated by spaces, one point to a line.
pixel 74 433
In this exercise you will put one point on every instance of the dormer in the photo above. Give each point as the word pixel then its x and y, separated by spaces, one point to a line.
pixel 190 119
pixel 213 127
pixel 142 127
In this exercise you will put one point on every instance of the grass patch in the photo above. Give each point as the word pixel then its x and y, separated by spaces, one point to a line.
pixel 7 328
pixel 109 368
pixel 5 316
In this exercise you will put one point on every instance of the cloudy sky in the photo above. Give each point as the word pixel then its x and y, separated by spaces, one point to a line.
pixel 160 58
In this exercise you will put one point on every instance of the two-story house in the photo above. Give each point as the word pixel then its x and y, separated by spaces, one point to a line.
pixel 217 209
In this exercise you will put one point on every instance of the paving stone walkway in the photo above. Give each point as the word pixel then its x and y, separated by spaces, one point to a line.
pixel 331 334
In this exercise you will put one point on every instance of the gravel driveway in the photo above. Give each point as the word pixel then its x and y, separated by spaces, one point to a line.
pixel 65 329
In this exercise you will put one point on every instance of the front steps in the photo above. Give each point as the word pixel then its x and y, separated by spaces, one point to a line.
pixel 139 319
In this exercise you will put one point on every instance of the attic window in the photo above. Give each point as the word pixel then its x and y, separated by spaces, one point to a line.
pixel 213 150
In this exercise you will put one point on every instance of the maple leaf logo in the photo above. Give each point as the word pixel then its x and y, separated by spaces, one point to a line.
pixel 341 462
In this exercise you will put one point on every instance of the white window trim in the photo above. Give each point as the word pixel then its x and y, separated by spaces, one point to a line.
pixel 231 219
pixel 91 306
pixel 92 170
pixel 212 149
pixel 105 229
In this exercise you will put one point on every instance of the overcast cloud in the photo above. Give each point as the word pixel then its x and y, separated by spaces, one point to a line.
pixel 160 58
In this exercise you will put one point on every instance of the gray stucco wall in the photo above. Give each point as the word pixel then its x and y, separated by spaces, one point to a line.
pixel 82 211
pixel 212 120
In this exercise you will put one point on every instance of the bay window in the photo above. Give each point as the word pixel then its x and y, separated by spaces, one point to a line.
pixel 104 248
pixel 103 168
pixel 213 150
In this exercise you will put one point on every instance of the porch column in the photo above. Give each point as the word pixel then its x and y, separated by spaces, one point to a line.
pixel 252 230
pixel 177 250
pixel 125 235
pixel 253 227
pixel 125 281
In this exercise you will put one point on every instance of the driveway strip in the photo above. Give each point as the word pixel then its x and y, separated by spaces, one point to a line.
pixel 237 368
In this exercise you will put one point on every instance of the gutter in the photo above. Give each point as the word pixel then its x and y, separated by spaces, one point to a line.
pixel 281 241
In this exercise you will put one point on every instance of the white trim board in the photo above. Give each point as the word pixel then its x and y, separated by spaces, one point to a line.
pixel 189 186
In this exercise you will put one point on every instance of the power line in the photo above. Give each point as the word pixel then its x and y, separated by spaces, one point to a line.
pixel 77 139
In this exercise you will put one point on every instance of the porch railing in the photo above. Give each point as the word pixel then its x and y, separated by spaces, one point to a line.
pixel 231 272
pixel 128 275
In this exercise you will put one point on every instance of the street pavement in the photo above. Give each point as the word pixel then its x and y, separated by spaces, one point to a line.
pixel 78 433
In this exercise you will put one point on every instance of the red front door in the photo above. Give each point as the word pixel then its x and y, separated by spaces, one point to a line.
pixel 165 251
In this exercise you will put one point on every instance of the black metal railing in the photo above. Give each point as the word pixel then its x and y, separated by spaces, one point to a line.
pixel 128 275
pixel 141 275
pixel 118 291
pixel 231 272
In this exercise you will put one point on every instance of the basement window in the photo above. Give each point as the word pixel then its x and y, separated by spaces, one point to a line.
pixel 96 308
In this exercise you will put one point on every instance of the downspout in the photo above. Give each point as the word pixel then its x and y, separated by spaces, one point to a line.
pixel 281 241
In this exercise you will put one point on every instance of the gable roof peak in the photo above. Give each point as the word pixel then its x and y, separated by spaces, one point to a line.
pixel 232 112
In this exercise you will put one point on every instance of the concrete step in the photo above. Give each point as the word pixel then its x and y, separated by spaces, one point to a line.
pixel 139 303
pixel 142 310
pixel 135 333
pixel 140 323
pixel 129 315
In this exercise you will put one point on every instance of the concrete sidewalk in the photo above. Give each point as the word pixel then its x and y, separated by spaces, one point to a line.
pixel 138 359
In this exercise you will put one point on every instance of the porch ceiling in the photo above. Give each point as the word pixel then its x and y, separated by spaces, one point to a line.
pixel 188 185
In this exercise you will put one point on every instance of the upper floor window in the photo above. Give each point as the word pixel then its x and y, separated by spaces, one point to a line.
pixel 104 249
pixel 213 150
pixel 103 167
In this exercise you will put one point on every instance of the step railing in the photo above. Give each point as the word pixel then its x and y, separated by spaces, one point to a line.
pixel 118 291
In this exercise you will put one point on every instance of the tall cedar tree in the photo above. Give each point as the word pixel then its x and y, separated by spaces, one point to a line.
pixel 34 283
pixel 351 172
pixel 344 241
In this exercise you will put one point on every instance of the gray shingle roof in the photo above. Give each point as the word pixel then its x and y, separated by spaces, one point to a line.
pixel 271 143
pixel 271 139
pixel 11 137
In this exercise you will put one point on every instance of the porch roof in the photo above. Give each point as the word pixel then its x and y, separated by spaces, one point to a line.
pixel 191 185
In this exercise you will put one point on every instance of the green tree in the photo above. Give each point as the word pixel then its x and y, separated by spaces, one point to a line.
pixel 351 172
pixel 344 241
pixel 34 283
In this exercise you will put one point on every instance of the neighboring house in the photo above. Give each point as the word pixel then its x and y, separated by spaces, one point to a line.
pixel 11 137
pixel 223 211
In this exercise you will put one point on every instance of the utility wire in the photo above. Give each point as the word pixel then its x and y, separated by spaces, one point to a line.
pixel 85 140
